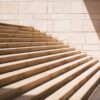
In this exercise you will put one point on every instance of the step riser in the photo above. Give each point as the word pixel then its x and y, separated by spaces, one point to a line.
pixel 13 29
pixel 7 31
pixel 21 32
pixel 29 55
pixel 27 40
pixel 11 35
pixel 18 77
pixel 30 32
pixel 35 62
pixel 4 25
pixel 12 45
pixel 30 49
pixel 7 27
pixel 47 78
pixel 16 28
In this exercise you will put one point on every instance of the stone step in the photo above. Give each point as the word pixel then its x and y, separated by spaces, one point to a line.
pixel 12 31
pixel 38 60
pixel 67 90
pixel 25 44
pixel 27 40
pixel 28 84
pixel 10 26
pixel 49 87
pixel 35 32
pixel 17 75
pixel 6 51
pixel 16 28
pixel 84 92
pixel 21 56
pixel 12 35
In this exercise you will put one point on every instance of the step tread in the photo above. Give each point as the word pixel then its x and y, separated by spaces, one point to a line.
pixel 34 47
pixel 25 44
pixel 50 84
pixel 23 35
pixel 16 31
pixel 66 90
pixel 27 40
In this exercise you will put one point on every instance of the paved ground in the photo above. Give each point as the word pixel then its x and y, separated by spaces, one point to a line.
pixel 96 94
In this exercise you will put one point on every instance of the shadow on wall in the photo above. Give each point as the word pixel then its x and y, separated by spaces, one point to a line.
pixel 93 8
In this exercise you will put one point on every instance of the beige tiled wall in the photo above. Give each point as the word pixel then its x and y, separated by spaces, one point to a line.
pixel 72 21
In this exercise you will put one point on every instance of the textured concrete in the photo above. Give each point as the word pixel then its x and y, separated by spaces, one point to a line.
pixel 96 94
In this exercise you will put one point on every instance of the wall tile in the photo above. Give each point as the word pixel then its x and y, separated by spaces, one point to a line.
pixel 76 7
pixel 8 7
pixel 7 16
pixel 61 25
pixel 91 47
pixel 58 16
pixel 24 16
pixel 77 38
pixel 33 7
pixel 76 25
pixel 78 16
pixel 41 16
pixel 59 7
pixel 92 38
pixel 50 7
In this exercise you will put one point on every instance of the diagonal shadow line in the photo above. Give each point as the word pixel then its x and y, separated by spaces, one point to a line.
pixel 93 8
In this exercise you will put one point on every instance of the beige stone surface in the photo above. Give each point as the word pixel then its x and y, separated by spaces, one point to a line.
pixel 58 18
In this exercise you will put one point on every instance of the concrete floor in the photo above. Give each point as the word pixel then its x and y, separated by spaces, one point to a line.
pixel 96 94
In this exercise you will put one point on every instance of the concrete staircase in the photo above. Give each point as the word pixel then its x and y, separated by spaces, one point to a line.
pixel 34 66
